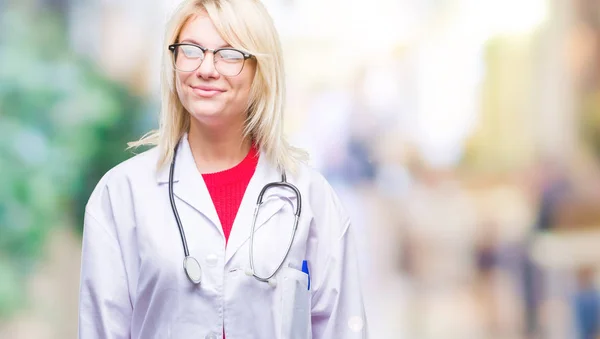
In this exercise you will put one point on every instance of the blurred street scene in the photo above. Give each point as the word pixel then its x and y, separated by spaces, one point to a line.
pixel 462 135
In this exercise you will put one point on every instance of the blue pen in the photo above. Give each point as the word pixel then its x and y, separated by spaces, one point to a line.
pixel 305 270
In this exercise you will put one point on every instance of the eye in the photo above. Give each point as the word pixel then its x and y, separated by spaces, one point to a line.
pixel 191 52
pixel 230 55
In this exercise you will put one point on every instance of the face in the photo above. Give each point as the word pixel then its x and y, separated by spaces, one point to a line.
pixel 210 97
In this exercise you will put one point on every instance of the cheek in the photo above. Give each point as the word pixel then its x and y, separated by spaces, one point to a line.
pixel 244 92
pixel 248 82
pixel 181 88
pixel 243 87
pixel 179 83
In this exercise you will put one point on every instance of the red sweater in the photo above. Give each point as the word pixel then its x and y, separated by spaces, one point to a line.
pixel 227 188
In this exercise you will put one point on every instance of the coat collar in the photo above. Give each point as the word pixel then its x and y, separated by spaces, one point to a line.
pixel 188 184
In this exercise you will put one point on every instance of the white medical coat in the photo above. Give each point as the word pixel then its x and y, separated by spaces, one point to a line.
pixel 133 284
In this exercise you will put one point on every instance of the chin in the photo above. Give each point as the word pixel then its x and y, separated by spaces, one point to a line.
pixel 206 110
pixel 209 117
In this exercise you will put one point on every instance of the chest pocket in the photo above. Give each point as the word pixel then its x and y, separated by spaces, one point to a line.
pixel 295 301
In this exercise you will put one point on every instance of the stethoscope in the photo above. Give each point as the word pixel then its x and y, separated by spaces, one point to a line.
pixel 192 267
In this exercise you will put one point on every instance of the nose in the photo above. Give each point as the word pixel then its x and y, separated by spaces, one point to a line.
pixel 207 68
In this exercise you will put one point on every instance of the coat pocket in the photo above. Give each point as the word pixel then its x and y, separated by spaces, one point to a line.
pixel 296 304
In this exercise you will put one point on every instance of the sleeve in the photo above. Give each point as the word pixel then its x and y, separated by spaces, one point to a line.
pixel 104 302
pixel 337 302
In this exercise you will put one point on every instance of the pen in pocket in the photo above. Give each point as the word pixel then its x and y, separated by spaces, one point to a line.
pixel 305 270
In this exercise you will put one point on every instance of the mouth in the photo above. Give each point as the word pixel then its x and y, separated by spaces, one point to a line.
pixel 206 91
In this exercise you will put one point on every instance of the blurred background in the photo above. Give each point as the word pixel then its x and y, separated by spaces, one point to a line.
pixel 462 135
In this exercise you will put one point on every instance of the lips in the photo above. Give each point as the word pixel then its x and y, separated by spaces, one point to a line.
pixel 206 91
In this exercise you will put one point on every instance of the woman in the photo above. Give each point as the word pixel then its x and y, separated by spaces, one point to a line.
pixel 172 246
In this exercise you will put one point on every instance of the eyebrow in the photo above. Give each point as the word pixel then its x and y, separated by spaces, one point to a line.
pixel 197 43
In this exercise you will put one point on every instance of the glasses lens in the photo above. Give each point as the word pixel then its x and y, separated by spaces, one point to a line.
pixel 229 62
pixel 188 58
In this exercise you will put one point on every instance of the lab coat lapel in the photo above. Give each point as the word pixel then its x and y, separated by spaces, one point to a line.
pixel 242 225
pixel 189 187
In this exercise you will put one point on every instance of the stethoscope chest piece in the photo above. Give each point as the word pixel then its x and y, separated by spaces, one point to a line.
pixel 192 269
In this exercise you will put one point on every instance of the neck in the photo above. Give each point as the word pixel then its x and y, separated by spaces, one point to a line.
pixel 219 148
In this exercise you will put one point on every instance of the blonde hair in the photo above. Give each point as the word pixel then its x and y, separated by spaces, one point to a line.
pixel 244 24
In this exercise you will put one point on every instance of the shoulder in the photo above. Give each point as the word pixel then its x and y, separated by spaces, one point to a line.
pixel 323 200
pixel 139 169
pixel 309 176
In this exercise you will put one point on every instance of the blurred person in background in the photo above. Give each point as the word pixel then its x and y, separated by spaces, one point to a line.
pixel 586 304
pixel 552 190
pixel 285 270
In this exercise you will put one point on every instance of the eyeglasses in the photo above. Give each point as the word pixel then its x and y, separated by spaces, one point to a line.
pixel 188 57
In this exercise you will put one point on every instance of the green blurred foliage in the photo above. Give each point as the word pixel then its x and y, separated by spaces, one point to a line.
pixel 590 121
pixel 62 126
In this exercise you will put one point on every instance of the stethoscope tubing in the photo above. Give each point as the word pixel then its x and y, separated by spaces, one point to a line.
pixel 259 202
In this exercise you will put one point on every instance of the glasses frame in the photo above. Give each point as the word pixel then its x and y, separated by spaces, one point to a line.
pixel 173 48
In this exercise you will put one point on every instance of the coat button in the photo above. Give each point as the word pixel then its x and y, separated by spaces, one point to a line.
pixel 211 336
pixel 211 260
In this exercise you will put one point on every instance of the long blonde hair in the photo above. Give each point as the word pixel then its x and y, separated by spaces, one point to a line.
pixel 244 24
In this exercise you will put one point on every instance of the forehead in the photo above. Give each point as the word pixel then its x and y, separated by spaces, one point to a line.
pixel 201 30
